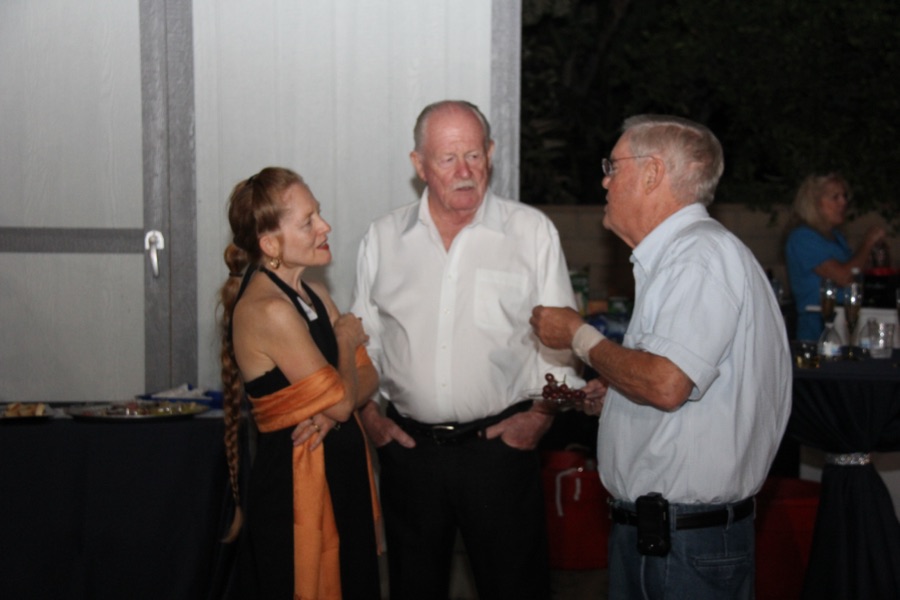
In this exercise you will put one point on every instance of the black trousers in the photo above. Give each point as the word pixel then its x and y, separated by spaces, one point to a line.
pixel 484 489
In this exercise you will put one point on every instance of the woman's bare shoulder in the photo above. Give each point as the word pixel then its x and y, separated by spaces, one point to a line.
pixel 266 311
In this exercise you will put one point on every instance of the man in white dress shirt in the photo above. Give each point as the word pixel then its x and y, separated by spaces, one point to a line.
pixel 699 391
pixel 445 288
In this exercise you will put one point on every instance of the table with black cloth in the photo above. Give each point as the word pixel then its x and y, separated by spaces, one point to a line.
pixel 850 409
pixel 98 510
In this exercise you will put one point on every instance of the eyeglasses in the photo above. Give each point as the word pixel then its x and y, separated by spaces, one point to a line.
pixel 609 164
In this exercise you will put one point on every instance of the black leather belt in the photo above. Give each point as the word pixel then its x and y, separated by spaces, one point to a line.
pixel 713 518
pixel 452 432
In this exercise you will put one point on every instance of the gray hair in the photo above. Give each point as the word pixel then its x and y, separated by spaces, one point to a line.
pixel 691 152
pixel 422 120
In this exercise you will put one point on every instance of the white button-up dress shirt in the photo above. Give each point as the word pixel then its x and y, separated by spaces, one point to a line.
pixel 449 332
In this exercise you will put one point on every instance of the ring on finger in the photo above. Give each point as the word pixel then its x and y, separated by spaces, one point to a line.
pixel 318 429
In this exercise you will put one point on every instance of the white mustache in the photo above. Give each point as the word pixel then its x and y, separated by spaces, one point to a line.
pixel 465 183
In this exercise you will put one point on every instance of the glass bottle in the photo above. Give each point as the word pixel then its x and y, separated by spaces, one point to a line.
pixel 853 301
pixel 881 255
pixel 830 343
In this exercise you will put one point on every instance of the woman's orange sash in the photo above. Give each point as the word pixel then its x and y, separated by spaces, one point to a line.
pixel 316 545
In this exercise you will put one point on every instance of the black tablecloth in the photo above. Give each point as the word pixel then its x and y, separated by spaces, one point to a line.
pixel 850 407
pixel 112 510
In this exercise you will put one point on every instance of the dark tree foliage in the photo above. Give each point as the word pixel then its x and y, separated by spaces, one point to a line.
pixel 790 87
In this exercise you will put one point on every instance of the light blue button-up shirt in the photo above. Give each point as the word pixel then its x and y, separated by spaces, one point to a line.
pixel 703 302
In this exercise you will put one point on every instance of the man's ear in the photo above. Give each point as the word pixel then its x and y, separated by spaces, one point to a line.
pixel 490 156
pixel 416 159
pixel 653 174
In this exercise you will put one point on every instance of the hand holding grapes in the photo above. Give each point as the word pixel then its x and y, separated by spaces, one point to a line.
pixel 555 395
pixel 594 395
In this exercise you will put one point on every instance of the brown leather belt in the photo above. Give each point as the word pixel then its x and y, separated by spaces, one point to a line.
pixel 713 518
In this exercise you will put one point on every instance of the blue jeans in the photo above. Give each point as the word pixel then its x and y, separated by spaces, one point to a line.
pixel 712 563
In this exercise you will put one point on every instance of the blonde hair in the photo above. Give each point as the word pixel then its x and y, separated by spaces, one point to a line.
pixel 806 202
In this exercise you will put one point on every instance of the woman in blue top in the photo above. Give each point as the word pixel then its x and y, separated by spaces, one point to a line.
pixel 817 250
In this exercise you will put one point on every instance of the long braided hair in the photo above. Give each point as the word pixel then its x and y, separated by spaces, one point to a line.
pixel 253 210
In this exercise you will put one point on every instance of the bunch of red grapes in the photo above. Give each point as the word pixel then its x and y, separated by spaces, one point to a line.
pixel 560 393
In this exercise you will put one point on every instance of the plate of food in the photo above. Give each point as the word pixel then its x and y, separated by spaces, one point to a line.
pixel 137 410
pixel 26 412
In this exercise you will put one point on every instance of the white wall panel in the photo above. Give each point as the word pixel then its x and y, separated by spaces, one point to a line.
pixel 330 88
pixel 70 114
pixel 70 157
pixel 76 327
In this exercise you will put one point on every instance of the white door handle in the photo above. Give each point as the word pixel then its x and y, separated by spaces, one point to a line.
pixel 153 242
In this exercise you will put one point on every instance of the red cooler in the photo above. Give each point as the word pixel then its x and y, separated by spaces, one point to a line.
pixel 577 511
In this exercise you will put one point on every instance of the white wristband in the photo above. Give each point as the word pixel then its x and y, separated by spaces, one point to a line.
pixel 584 339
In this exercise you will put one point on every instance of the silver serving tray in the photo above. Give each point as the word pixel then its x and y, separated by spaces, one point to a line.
pixel 137 410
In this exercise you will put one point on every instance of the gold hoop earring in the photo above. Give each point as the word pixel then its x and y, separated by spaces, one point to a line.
pixel 274 262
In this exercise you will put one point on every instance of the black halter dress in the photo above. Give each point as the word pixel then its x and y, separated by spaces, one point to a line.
pixel 266 556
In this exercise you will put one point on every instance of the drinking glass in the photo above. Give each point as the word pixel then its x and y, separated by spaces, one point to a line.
pixel 883 343
pixel 828 294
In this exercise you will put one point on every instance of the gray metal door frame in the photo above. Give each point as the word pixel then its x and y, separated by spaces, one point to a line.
pixel 167 93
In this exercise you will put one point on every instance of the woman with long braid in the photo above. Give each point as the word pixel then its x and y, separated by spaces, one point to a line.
pixel 311 510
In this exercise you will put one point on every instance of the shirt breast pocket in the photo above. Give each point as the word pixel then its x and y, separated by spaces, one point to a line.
pixel 501 299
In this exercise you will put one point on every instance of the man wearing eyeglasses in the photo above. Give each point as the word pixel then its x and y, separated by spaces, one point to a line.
pixel 699 391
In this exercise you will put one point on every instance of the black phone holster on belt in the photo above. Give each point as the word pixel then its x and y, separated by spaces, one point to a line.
pixel 653 527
